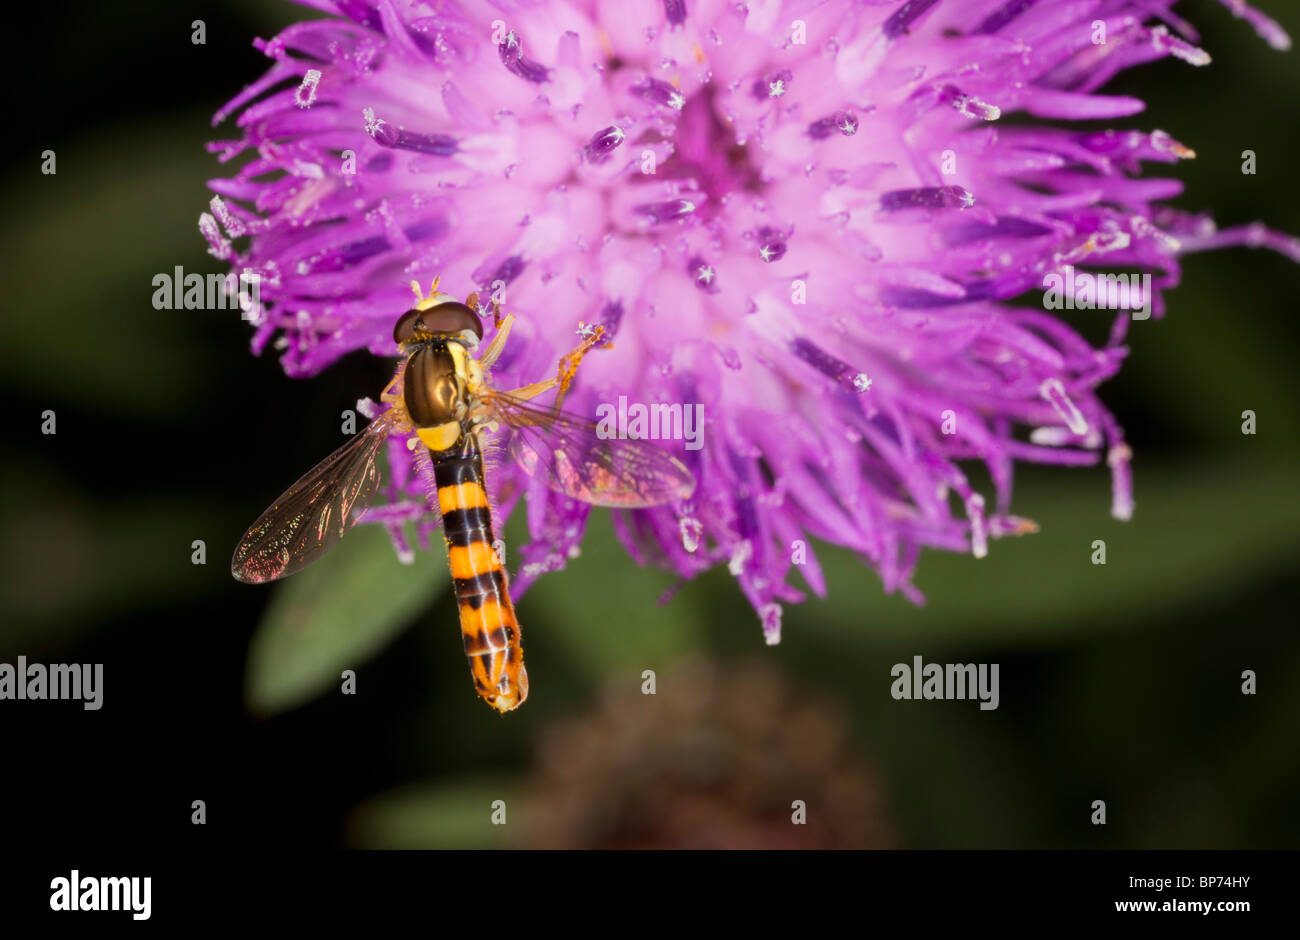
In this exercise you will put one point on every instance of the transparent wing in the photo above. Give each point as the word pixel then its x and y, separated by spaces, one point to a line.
pixel 568 454
pixel 311 516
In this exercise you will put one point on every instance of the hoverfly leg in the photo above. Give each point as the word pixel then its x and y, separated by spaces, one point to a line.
pixel 532 390
pixel 564 372
pixel 493 349
pixel 388 396
pixel 568 366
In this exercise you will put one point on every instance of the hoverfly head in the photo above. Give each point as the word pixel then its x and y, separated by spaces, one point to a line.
pixel 436 317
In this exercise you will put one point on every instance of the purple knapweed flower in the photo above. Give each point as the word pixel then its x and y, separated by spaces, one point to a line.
pixel 809 217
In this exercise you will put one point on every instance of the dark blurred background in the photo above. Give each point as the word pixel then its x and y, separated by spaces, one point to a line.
pixel 1120 683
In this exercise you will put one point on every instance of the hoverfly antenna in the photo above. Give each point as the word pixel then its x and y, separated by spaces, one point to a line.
pixel 424 302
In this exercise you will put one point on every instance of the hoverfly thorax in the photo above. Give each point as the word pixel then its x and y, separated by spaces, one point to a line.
pixel 434 387
pixel 436 335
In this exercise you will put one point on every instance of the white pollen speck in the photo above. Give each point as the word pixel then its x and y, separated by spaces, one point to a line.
pixel 973 107
pixel 232 224
pixel 770 616
pixel 738 558
pixel 306 93
pixel 1054 392
pixel 218 247
pixel 979 543
pixel 691 530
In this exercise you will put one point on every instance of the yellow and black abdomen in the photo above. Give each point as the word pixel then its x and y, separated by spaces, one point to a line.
pixel 487 617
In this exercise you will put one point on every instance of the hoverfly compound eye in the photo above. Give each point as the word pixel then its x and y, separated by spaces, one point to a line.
pixel 404 331
pixel 451 319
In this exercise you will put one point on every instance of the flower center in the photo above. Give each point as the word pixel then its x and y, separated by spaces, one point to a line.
pixel 706 149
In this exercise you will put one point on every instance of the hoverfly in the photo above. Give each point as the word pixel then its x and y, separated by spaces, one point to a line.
pixel 440 398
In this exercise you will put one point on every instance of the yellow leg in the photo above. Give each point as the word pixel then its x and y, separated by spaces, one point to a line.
pixel 564 373
pixel 493 349
pixel 388 396
pixel 568 366
pixel 532 391
pixel 402 424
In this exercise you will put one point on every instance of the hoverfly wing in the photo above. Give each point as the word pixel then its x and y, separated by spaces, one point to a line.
pixel 569 455
pixel 310 517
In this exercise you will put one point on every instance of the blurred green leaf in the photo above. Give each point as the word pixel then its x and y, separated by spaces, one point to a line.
pixel 136 221
pixel 335 615
pixel 1196 531
pixel 449 816
pixel 1234 354
pixel 601 608
pixel 68 563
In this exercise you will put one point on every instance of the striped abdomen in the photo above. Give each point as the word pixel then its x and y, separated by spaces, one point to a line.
pixel 487 618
